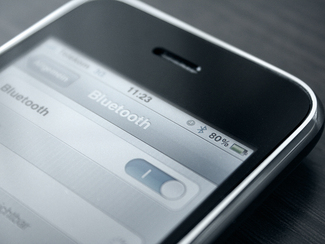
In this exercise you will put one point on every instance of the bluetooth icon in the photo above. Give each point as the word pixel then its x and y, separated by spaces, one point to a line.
pixel 202 129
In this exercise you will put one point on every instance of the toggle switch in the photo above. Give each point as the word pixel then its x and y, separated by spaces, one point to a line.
pixel 155 179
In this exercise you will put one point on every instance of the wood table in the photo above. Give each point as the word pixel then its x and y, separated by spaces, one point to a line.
pixel 289 34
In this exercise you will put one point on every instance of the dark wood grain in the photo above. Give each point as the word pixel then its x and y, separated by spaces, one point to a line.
pixel 287 33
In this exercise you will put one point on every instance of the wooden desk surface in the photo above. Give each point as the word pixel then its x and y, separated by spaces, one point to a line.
pixel 289 34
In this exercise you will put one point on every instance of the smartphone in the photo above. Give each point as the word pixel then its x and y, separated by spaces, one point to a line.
pixel 121 124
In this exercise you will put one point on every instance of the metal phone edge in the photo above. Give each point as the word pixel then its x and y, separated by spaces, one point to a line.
pixel 277 160
pixel 278 157
pixel 251 191
pixel 64 9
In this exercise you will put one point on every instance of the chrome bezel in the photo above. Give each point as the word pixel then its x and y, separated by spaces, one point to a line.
pixel 310 120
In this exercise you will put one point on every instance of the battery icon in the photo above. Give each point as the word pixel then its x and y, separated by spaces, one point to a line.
pixel 238 149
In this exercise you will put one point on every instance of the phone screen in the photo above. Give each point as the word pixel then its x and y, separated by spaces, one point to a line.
pixel 89 156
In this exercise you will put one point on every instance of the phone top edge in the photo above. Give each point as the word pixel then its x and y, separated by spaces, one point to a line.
pixel 169 19
pixel 180 24
pixel 193 30
pixel 64 9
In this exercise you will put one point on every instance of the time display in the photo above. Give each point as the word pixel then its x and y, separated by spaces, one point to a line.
pixel 140 95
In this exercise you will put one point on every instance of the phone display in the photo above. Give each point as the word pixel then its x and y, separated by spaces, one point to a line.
pixel 97 148
pixel 106 127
